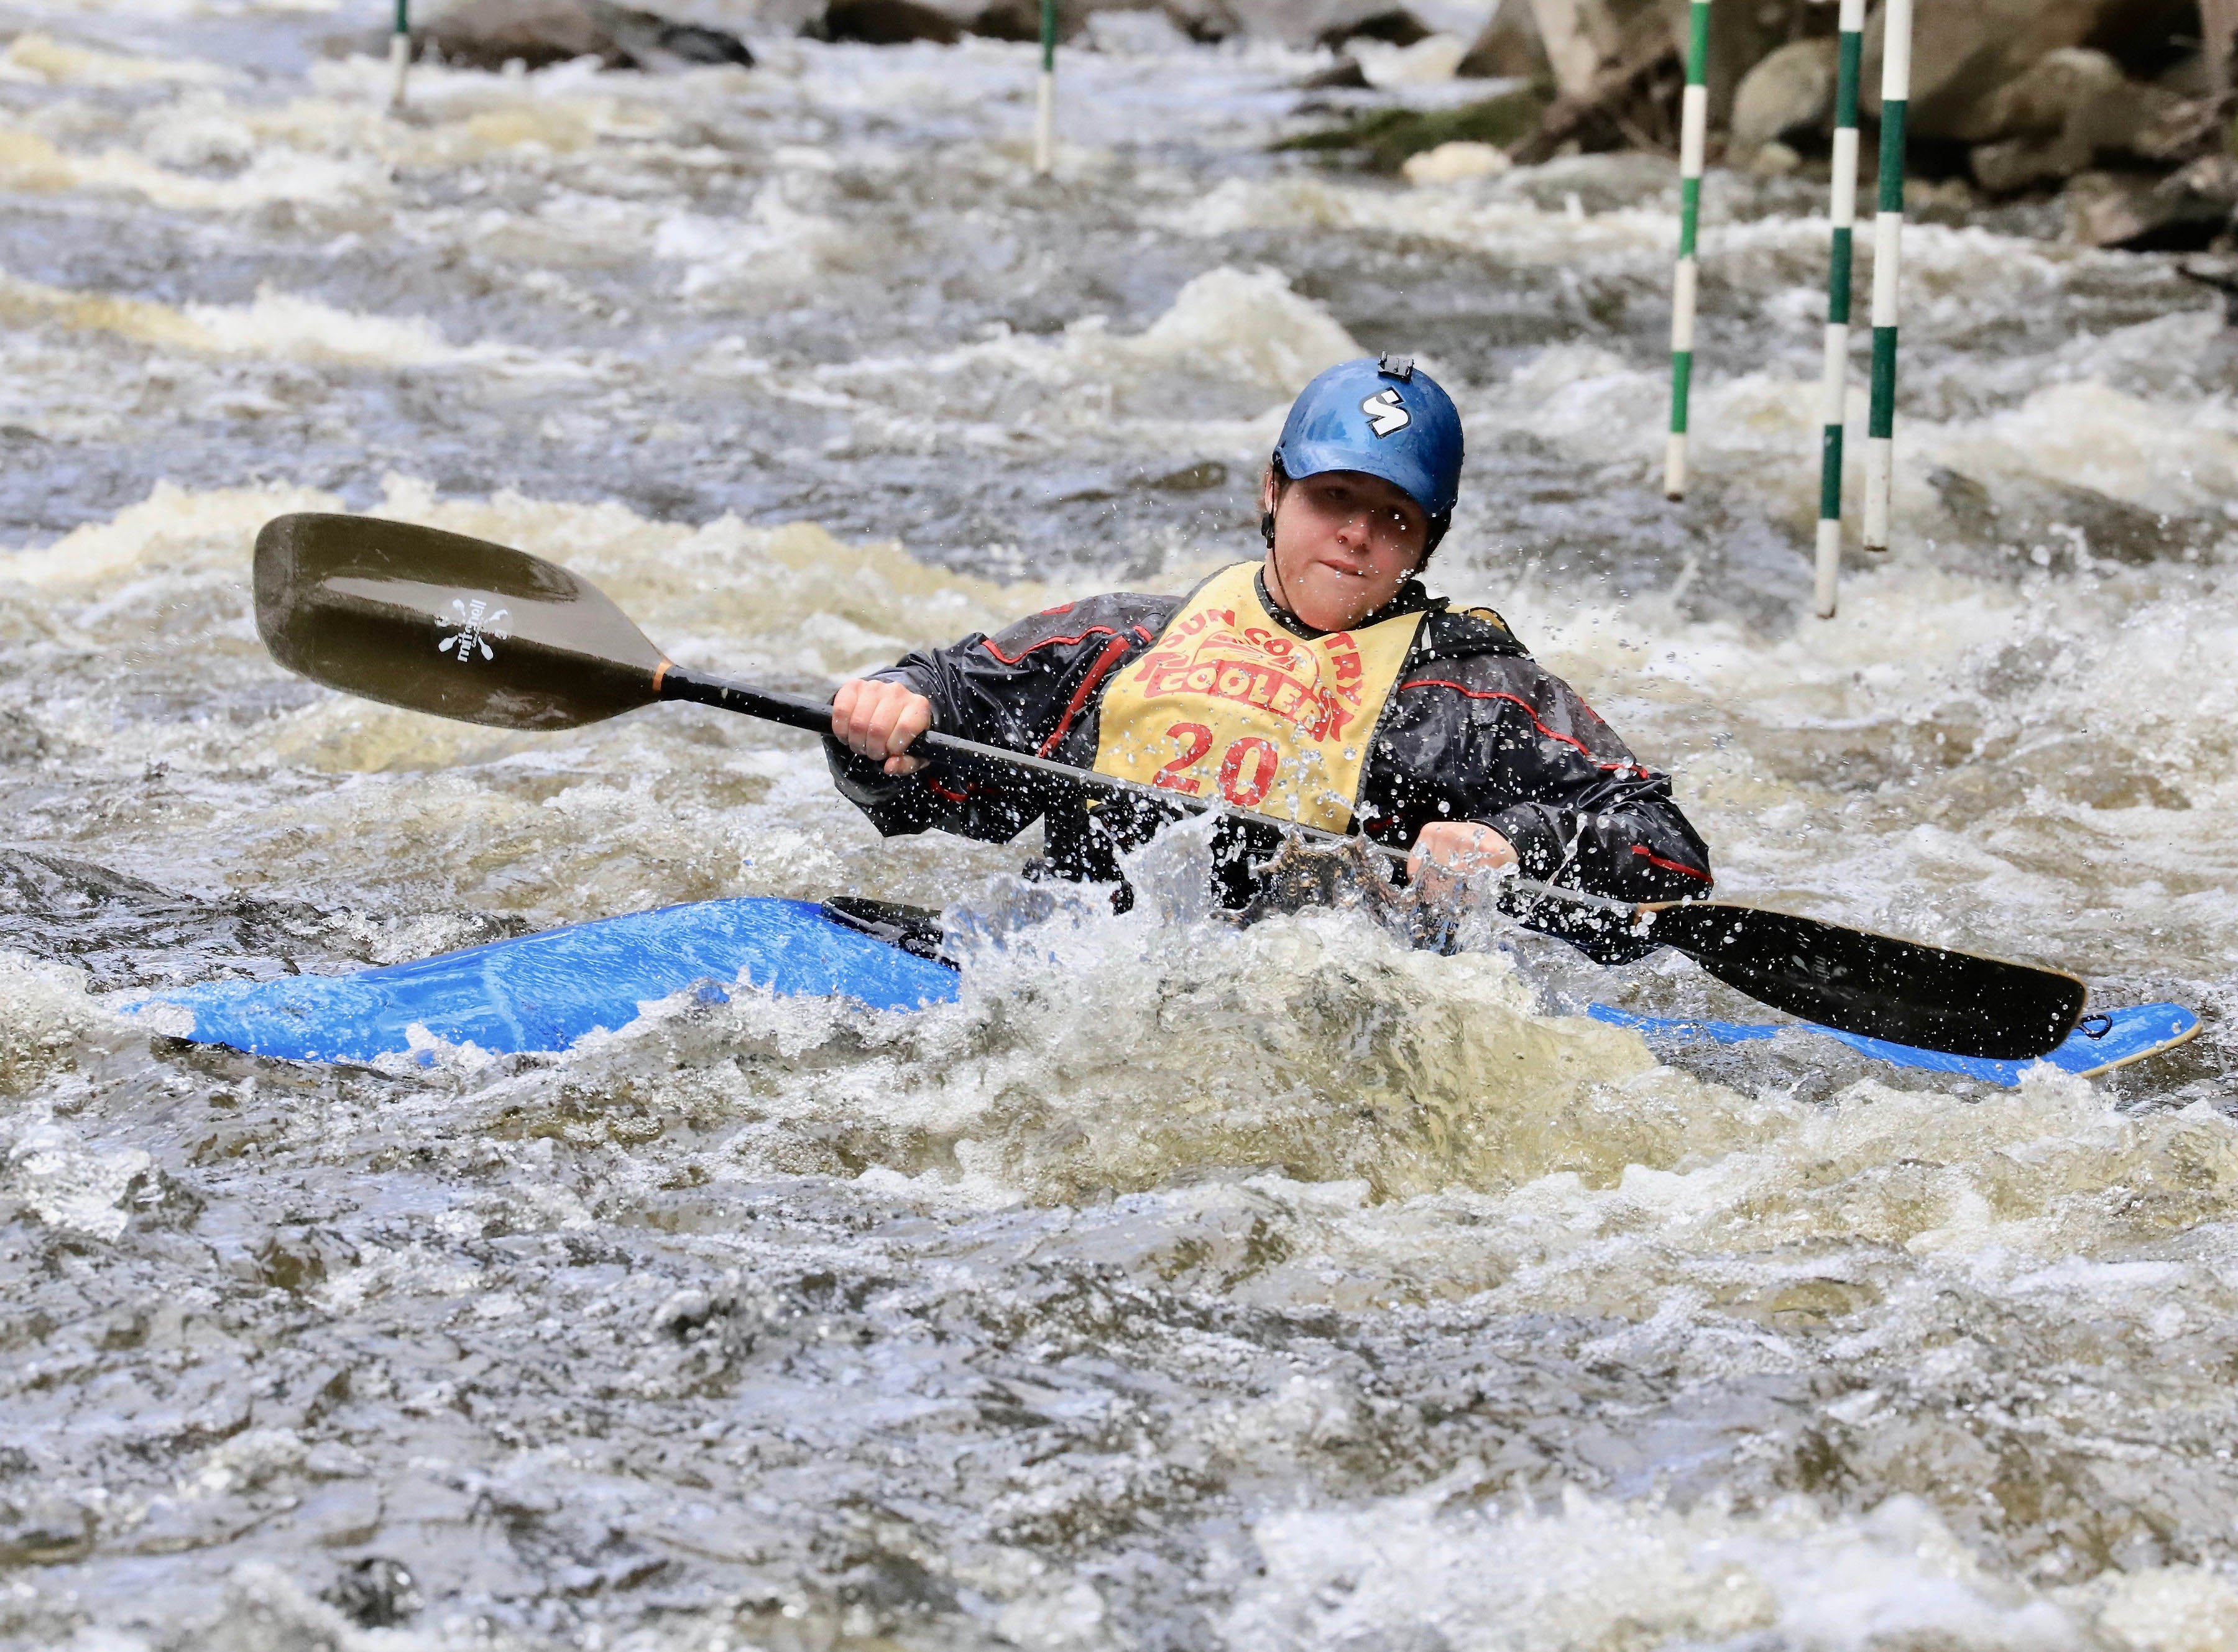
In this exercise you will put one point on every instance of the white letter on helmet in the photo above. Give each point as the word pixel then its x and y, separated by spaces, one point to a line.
pixel 1386 413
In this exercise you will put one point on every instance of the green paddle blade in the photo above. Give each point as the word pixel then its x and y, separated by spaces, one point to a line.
pixel 444 623
pixel 1873 984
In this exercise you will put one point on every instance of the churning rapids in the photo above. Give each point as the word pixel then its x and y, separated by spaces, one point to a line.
pixel 1181 1287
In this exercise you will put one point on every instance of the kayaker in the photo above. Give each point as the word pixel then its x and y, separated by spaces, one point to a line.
pixel 1322 685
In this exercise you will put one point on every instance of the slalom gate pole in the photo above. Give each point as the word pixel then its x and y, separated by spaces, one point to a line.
pixel 1844 213
pixel 1045 97
pixel 400 54
pixel 1888 230
pixel 1693 132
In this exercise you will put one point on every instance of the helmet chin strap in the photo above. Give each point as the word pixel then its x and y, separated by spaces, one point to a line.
pixel 1274 562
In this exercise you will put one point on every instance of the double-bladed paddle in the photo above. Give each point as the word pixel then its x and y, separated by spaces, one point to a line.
pixel 462 627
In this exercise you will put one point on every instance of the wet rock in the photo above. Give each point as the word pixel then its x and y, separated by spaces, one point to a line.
pixel 1192 479
pixel 2025 525
pixel 2134 212
pixel 1383 138
pixel 1308 22
pixel 888 23
pixel 20 741
pixel 1791 91
pixel 658 43
pixel 1508 49
pixel 43 1528
pixel 375 1593
pixel 1975 66
pixel 488 34
pixel 1397 27
pixel 301 1258
pixel 1344 76
pixel 1018 20
pixel 1451 162
pixel 2070 107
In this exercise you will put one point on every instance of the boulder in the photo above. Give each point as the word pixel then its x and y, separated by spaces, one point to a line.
pixel 1303 22
pixel 1430 60
pixel 1454 163
pixel 1791 91
pixel 2073 108
pixel 1509 47
pixel 659 42
pixel 1397 27
pixel 1017 20
pixel 887 22
pixel 2140 214
pixel 1964 53
pixel 488 34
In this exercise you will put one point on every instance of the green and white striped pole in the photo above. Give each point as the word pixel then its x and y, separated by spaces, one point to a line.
pixel 1843 212
pixel 1693 131
pixel 1045 104
pixel 400 54
pixel 1888 229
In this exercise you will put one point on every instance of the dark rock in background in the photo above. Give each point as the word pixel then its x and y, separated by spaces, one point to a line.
pixel 887 22
pixel 488 34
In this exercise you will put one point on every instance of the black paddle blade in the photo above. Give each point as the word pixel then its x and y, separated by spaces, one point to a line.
pixel 441 623
pixel 1858 982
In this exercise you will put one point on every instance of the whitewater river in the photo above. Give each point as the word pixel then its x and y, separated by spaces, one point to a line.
pixel 1181 1287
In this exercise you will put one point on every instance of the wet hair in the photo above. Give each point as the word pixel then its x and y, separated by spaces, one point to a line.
pixel 1433 530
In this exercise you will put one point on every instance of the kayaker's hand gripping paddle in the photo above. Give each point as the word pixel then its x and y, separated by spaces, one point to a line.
pixel 465 629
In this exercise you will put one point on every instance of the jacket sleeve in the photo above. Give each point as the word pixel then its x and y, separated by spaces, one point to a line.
pixel 1502 740
pixel 1024 688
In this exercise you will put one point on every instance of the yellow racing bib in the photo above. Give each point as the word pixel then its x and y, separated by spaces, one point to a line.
pixel 1229 704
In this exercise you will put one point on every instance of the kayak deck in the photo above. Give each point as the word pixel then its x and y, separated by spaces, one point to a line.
pixel 548 991
pixel 2100 1043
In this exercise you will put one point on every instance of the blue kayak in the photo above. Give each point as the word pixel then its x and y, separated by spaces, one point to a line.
pixel 546 992
pixel 2099 1043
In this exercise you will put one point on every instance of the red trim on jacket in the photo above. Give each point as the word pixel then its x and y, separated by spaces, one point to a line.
pixel 1653 859
pixel 1110 658
pixel 1529 710
pixel 935 787
pixel 1046 642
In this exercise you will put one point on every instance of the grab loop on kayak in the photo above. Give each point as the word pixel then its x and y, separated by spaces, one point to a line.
pixel 2095 1025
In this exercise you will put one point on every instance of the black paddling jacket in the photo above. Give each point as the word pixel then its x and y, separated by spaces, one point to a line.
pixel 1474 728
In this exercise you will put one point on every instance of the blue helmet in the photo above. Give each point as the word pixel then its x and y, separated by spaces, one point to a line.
pixel 1386 417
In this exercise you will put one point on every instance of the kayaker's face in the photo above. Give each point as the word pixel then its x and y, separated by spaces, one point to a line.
pixel 1344 543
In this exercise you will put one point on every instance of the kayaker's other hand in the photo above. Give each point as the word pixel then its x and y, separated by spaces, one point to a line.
pixel 1449 850
pixel 880 719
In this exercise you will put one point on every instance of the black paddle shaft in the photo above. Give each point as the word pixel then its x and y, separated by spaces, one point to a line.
pixel 463 627
pixel 1848 979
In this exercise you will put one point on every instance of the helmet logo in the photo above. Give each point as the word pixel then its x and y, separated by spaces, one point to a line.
pixel 1386 413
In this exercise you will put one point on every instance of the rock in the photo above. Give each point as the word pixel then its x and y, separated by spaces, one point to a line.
pixel 1016 20
pixel 1207 21
pixel 1451 162
pixel 1303 22
pixel 1394 28
pixel 1509 48
pixel 1965 52
pixel 375 1592
pixel 1791 91
pixel 2136 213
pixel 655 43
pixel 2069 108
pixel 1774 160
pixel 1384 138
pixel 488 34
pixel 1430 60
pixel 1344 76
pixel 888 23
